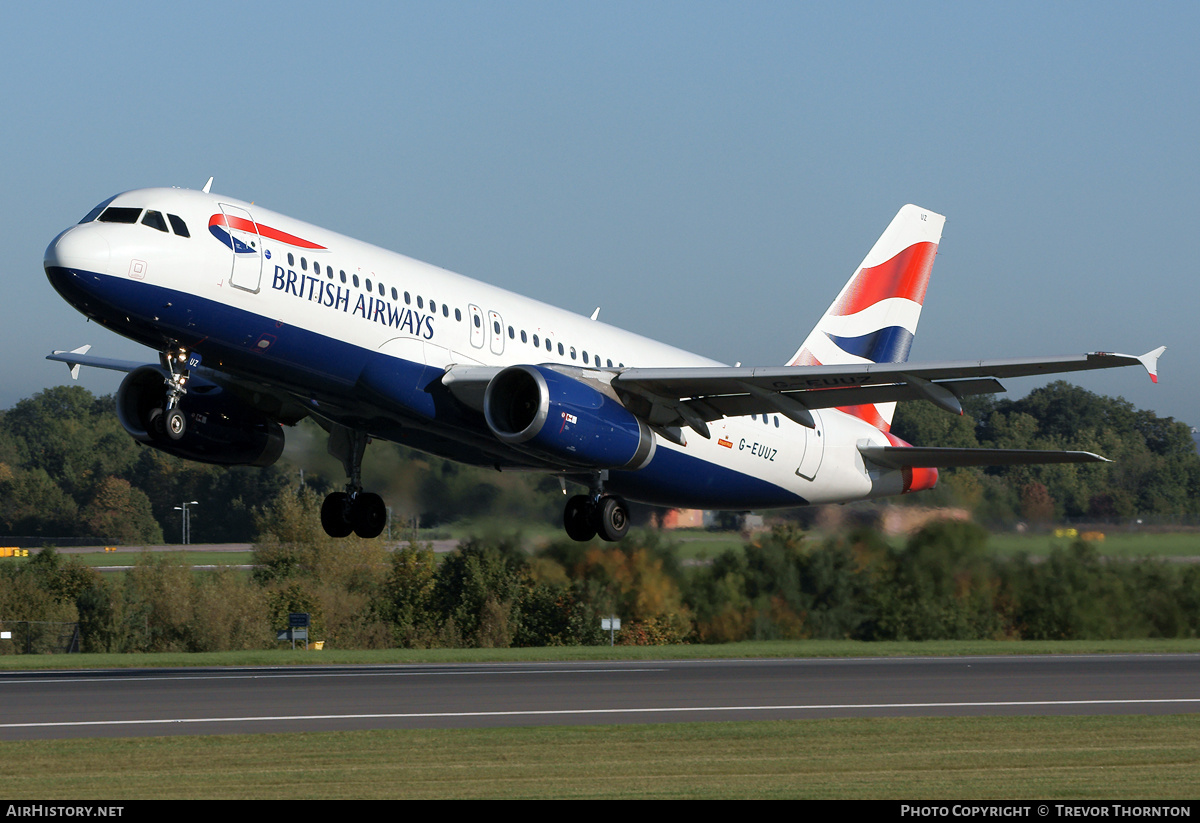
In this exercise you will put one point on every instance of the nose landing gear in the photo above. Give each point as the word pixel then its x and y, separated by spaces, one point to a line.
pixel 169 421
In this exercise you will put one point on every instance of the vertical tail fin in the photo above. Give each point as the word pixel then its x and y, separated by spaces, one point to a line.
pixel 874 318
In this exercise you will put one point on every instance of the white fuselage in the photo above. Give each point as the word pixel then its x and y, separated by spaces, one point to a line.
pixel 303 311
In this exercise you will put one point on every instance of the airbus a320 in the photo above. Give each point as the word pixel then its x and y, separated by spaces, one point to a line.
pixel 261 320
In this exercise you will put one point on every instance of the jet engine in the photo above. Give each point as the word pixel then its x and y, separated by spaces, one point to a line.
pixel 221 427
pixel 560 417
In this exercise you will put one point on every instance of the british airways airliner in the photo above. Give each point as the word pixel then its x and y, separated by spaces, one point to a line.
pixel 261 320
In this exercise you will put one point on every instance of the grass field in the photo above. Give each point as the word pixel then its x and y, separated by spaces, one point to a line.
pixel 747 649
pixel 1113 758
pixel 1126 544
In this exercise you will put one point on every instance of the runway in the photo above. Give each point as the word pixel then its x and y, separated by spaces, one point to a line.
pixel 153 702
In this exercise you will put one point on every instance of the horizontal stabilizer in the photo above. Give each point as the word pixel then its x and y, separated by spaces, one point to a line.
pixel 933 457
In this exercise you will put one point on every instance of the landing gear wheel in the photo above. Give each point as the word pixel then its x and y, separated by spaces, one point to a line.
pixel 156 424
pixel 368 515
pixel 175 423
pixel 577 519
pixel 612 518
pixel 334 515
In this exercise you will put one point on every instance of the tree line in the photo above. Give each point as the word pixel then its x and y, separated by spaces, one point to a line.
pixel 1155 468
pixel 490 592
pixel 68 469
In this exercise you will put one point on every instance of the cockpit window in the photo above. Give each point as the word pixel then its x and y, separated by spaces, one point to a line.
pixel 94 213
pixel 120 214
pixel 154 220
pixel 178 225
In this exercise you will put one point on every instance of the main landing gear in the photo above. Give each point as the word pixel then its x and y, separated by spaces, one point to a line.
pixel 169 421
pixel 352 510
pixel 587 516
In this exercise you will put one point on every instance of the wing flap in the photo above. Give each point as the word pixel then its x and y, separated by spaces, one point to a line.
pixel 933 457
pixel 713 407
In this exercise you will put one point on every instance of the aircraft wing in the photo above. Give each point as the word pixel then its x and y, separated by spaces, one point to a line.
pixel 693 396
pixel 671 397
pixel 80 357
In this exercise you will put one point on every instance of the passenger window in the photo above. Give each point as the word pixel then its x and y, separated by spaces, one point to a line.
pixel 609 364
pixel 458 315
pixel 536 343
pixel 354 277
pixel 369 286
pixel 120 214
pixel 560 349
pixel 420 302
pixel 446 310
pixel 343 277
pixel 154 220
pixel 511 333
pixel 525 339
pixel 407 299
pixel 303 264
pixel 178 225
pixel 291 259
pixel 394 295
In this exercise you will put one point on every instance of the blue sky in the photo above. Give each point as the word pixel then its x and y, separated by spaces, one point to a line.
pixel 707 173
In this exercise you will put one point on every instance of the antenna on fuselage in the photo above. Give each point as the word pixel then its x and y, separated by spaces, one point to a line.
pixel 207 186
pixel 596 313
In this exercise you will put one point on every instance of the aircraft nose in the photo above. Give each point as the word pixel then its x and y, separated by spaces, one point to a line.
pixel 79 248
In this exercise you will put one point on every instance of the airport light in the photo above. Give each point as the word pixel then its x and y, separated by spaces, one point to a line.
pixel 187 519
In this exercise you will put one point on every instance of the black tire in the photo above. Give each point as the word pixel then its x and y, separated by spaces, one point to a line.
pixel 578 520
pixel 612 519
pixel 156 425
pixel 334 512
pixel 368 515
pixel 175 423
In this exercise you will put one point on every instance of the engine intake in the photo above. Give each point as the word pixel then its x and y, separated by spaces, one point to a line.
pixel 544 412
pixel 221 427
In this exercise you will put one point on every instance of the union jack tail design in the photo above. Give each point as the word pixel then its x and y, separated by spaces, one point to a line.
pixel 874 318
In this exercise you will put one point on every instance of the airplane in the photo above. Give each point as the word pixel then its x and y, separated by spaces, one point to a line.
pixel 261 320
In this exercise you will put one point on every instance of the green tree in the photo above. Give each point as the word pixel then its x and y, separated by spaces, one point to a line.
pixel 121 512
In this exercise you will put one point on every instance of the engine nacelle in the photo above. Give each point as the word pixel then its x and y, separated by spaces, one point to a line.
pixel 553 415
pixel 221 427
